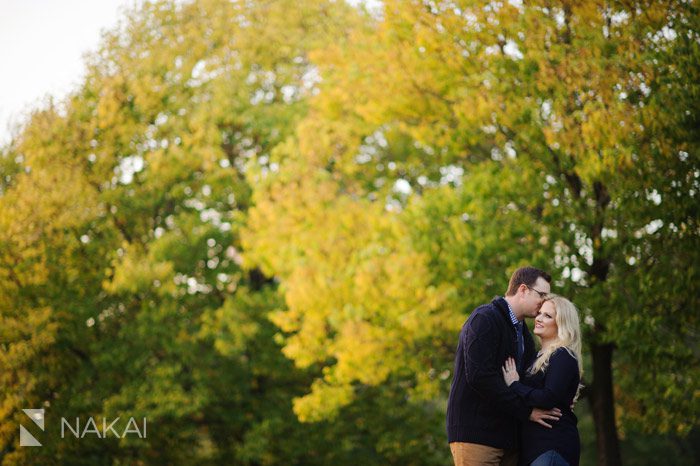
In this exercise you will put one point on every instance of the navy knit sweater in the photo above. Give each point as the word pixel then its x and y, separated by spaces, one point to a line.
pixel 481 408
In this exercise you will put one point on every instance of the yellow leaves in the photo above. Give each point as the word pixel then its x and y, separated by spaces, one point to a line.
pixel 58 193
pixel 25 333
pixel 303 202
pixel 358 296
pixel 28 331
pixel 135 272
pixel 112 97
pixel 42 210
pixel 310 344
pixel 324 402
pixel 384 73
pixel 231 325
pixel 428 385
pixel 361 352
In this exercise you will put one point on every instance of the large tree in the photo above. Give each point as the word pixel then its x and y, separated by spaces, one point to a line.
pixel 556 133
pixel 240 184
pixel 122 290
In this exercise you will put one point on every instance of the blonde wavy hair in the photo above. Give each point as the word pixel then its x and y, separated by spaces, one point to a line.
pixel 568 335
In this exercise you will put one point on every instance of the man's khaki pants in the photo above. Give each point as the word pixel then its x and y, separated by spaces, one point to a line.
pixel 473 454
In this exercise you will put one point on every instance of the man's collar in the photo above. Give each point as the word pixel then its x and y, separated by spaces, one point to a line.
pixel 511 314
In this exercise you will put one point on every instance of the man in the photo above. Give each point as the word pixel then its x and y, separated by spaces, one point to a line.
pixel 482 412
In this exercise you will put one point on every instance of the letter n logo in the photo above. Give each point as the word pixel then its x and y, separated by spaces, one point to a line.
pixel 25 438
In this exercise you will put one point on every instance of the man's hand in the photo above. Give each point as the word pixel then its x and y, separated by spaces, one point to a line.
pixel 510 373
pixel 541 415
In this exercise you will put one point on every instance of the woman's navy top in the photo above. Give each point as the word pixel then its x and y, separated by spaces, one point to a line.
pixel 555 387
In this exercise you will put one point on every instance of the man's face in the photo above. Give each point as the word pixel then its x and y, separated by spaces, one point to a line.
pixel 534 297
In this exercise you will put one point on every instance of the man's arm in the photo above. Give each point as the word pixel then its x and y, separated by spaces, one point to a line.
pixel 541 416
pixel 483 372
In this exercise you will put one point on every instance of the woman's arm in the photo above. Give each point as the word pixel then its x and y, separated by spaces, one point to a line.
pixel 561 370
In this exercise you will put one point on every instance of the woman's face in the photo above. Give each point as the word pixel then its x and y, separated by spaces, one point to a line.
pixel 545 322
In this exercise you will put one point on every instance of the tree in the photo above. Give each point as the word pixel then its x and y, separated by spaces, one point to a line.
pixel 566 106
pixel 123 284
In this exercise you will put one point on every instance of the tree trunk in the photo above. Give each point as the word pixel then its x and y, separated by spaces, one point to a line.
pixel 603 406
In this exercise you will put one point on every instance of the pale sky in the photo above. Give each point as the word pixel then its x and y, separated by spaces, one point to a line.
pixel 42 43
pixel 41 47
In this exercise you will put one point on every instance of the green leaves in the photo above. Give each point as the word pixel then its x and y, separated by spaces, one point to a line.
pixel 494 136
pixel 261 224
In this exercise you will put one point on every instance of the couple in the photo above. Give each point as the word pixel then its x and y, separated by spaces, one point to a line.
pixel 509 405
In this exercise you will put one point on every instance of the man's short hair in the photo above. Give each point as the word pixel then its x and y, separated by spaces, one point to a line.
pixel 526 276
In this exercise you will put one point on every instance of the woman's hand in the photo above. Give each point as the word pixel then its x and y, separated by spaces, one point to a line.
pixel 510 373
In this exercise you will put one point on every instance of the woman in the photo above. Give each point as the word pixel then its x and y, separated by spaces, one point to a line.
pixel 552 381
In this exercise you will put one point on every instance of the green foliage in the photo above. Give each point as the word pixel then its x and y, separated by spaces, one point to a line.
pixel 261 224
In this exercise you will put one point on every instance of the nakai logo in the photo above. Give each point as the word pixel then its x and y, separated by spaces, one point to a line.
pixel 26 439
pixel 89 428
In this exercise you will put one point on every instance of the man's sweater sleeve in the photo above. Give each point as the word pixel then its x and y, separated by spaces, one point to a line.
pixel 561 370
pixel 483 372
